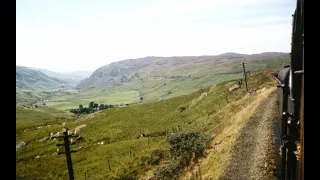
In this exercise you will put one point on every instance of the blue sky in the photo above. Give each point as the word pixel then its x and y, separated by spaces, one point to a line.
pixel 72 35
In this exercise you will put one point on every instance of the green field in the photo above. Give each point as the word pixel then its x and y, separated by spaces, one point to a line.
pixel 71 102
pixel 151 90
pixel 120 129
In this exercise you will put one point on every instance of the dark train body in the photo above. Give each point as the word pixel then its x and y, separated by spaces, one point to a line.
pixel 289 131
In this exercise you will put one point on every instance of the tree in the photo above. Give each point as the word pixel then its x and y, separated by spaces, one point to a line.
pixel 95 106
pixel 141 98
pixel 75 111
pixel 80 110
pixel 87 110
pixel 91 104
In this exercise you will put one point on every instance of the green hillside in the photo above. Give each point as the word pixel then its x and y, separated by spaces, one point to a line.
pixel 158 78
pixel 27 78
pixel 120 129
pixel 153 78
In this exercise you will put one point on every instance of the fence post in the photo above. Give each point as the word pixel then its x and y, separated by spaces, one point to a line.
pixel 245 74
pixel 109 164
pixel 130 147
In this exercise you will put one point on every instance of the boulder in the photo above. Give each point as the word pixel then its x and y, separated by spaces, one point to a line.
pixel 234 87
pixel 44 139
pixel 20 144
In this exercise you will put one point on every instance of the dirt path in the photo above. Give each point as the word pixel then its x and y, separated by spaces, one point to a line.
pixel 252 155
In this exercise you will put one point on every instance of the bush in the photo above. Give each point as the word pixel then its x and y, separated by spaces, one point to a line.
pixel 182 108
pixel 129 174
pixel 183 144
pixel 167 172
pixel 156 156
pixel 183 147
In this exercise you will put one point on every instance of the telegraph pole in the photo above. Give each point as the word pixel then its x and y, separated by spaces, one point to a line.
pixel 68 155
pixel 245 74
pixel 67 151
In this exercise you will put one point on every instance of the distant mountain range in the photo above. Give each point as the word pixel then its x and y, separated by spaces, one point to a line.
pixel 154 77
pixel 73 77
pixel 149 68
pixel 27 78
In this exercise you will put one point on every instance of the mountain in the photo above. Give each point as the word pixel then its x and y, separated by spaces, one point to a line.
pixel 27 78
pixel 73 77
pixel 151 68
pixel 157 78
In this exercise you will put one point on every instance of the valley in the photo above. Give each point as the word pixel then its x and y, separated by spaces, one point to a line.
pixel 131 140
pixel 159 90
pixel 153 78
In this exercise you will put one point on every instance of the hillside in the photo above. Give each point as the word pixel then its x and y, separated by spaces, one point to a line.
pixel 113 146
pixel 74 77
pixel 150 68
pixel 153 78
pixel 157 78
pixel 27 78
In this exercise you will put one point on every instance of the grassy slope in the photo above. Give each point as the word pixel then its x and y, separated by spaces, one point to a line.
pixel 36 116
pixel 154 84
pixel 29 97
pixel 219 154
pixel 121 127
pixel 157 91
pixel 29 119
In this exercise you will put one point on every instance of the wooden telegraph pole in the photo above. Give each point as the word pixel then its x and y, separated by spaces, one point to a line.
pixel 67 151
pixel 245 74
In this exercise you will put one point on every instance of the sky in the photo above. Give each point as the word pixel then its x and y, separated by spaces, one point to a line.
pixel 72 35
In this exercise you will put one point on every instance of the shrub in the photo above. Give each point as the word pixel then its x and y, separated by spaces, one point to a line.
pixel 129 174
pixel 183 147
pixel 167 172
pixel 182 108
pixel 156 156
pixel 183 144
